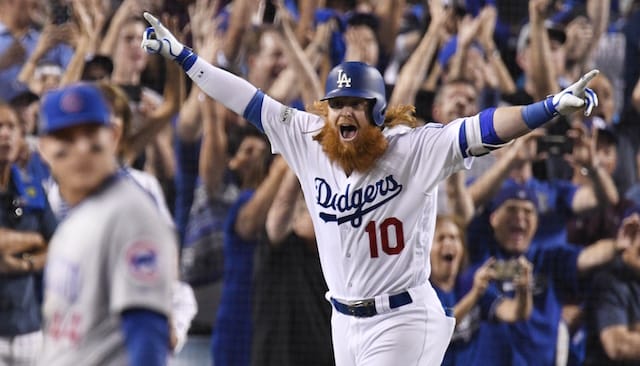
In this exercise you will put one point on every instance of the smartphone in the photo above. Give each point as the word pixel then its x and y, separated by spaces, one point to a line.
pixel 555 144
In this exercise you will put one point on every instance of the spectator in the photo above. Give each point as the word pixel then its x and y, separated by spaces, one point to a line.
pixel 540 55
pixel 292 317
pixel 472 302
pixel 26 225
pixel 603 222
pixel 19 39
pixel 243 231
pixel 613 309
pixel 457 98
pixel 559 199
pixel 556 278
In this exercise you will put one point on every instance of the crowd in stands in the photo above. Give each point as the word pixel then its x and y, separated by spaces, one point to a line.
pixel 520 254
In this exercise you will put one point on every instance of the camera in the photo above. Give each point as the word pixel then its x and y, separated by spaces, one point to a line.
pixel 555 144
pixel 506 270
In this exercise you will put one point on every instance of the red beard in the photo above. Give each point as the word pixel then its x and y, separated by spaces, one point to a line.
pixel 358 156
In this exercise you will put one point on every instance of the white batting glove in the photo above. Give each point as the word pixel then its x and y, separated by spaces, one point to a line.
pixel 158 39
pixel 577 96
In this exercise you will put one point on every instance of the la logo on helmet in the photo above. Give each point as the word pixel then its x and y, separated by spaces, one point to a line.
pixel 343 80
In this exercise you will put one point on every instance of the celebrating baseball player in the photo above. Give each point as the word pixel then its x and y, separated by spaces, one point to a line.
pixel 370 184
pixel 112 261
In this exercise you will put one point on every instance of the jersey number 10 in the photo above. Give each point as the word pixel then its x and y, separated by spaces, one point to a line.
pixel 385 228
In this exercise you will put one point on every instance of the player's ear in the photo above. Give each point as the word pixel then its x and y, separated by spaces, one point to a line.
pixel 44 149
pixel 117 131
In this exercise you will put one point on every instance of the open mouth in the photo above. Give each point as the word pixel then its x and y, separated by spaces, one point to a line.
pixel 448 257
pixel 518 232
pixel 348 132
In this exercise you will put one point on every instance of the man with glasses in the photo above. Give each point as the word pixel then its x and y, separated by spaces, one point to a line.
pixel 370 183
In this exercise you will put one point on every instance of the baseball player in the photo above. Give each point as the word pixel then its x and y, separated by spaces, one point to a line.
pixel 112 261
pixel 370 184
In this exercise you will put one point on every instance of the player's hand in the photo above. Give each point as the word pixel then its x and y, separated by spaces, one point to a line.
pixel 158 39
pixel 577 96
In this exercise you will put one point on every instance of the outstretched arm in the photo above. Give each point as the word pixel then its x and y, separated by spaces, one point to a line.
pixel 214 81
pixel 512 122
pixel 496 127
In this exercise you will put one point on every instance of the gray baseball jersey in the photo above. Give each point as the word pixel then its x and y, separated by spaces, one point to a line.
pixel 113 252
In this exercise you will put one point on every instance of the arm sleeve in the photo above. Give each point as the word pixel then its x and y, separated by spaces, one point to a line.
pixel 434 152
pixel 146 337
pixel 232 91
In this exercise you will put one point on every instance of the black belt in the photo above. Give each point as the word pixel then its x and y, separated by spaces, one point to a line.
pixel 367 308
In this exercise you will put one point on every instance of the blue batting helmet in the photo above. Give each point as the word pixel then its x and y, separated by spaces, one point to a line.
pixel 357 79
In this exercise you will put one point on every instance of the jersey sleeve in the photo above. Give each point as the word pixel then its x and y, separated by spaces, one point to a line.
pixel 143 260
pixel 290 131
pixel 435 152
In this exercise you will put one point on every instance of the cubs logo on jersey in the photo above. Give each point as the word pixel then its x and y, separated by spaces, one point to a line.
pixel 142 259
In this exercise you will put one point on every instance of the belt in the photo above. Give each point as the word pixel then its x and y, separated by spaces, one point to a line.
pixel 367 308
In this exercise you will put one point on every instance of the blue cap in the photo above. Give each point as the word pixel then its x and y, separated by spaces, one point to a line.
pixel 76 104
pixel 513 191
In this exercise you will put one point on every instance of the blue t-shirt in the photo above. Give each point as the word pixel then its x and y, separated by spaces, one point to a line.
pixel 462 348
pixel 231 342
pixel 59 54
pixel 533 341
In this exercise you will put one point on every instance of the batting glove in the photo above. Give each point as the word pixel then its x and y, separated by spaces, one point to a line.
pixel 576 96
pixel 158 39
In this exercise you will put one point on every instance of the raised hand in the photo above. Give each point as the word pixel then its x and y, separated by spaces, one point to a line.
pixel 158 39
pixel 577 96
pixel 629 232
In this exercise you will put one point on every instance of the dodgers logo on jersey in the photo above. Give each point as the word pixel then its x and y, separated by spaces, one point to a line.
pixel 361 200
pixel 343 80
pixel 142 261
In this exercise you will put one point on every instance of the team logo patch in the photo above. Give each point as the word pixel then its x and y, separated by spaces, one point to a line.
pixel 286 113
pixel 142 261
pixel 71 102
pixel 343 80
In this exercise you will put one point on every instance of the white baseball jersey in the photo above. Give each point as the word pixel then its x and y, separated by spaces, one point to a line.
pixel 113 252
pixel 374 230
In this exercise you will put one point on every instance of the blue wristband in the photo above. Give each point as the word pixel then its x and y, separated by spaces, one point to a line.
pixel 186 58
pixel 537 114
